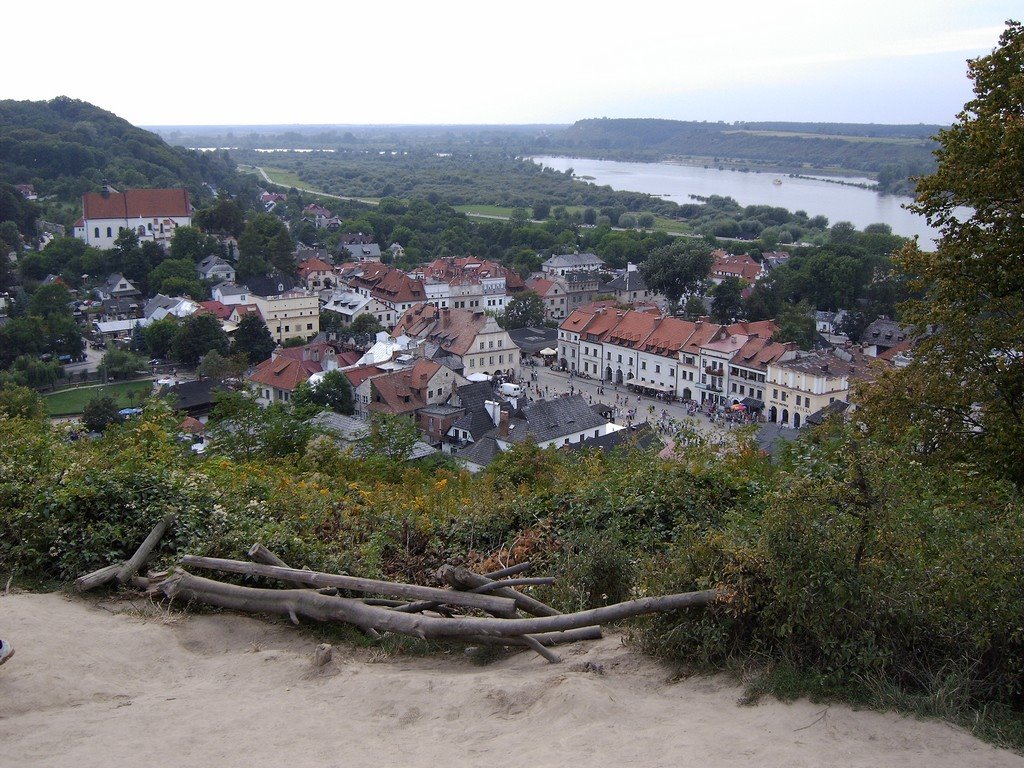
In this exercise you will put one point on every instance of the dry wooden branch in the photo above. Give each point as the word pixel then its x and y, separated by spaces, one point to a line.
pixel 295 602
pixel 545 638
pixel 260 554
pixel 551 656
pixel 498 605
pixel 461 578
pixel 512 570
pixel 125 572
pixel 534 581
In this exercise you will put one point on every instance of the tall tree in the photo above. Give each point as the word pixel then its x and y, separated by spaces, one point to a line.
pixel 525 309
pixel 962 397
pixel 253 339
pixel 728 302
pixel 677 269
pixel 196 336
pixel 333 393
pixel 264 242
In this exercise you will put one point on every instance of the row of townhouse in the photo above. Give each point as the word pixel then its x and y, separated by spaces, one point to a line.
pixel 710 363
pixel 700 361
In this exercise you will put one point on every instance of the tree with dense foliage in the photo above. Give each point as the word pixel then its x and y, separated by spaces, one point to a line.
pixel 678 269
pixel 333 393
pixel 158 336
pixel 52 299
pixel 189 243
pixel 100 413
pixel 728 300
pixel 524 310
pixel 253 339
pixel 224 217
pixel 390 437
pixel 366 325
pixel 216 366
pixel 120 364
pixel 963 393
pixel 18 402
pixel 796 323
pixel 264 244
pixel 695 308
pixel 197 335
pixel 241 429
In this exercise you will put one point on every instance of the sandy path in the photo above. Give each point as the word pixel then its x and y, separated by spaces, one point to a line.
pixel 92 687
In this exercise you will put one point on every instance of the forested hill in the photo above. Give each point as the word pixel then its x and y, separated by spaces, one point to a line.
pixel 893 152
pixel 65 147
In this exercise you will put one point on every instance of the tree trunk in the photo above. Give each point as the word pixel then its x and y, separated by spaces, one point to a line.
pixel 125 572
pixel 461 578
pixel 499 605
pixel 260 554
pixel 295 602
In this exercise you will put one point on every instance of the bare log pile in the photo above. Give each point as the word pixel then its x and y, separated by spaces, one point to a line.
pixel 410 609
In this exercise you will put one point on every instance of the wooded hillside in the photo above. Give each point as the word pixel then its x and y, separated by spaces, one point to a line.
pixel 65 147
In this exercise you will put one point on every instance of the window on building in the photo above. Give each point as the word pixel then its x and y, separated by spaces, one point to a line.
pixel 783 397
pixel 643 365
pixel 620 358
pixel 309 326
pixel 775 394
pixel 501 359
pixel 109 232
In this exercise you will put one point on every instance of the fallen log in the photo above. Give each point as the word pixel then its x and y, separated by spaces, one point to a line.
pixel 533 581
pixel 544 638
pixel 295 602
pixel 125 572
pixel 512 570
pixel 498 605
pixel 462 578
pixel 260 554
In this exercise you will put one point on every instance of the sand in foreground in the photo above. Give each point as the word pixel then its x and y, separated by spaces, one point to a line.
pixel 101 684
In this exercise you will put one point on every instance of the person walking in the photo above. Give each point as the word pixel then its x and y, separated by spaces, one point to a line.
pixel 6 651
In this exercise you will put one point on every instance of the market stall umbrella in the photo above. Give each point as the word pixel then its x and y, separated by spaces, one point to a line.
pixel 549 351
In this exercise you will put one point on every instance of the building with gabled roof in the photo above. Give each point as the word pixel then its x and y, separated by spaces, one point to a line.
pixel 405 391
pixel 563 264
pixel 475 338
pixel 548 423
pixel 741 266
pixel 215 268
pixel 806 383
pixel 152 214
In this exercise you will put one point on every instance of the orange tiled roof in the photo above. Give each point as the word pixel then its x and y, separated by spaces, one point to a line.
pixel 136 203
pixel 284 373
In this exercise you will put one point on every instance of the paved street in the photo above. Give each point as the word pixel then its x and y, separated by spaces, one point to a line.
pixel 554 383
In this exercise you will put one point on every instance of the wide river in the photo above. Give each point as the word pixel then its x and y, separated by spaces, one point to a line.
pixel 815 197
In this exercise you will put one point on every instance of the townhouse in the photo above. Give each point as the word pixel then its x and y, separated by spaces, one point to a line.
pixel 804 384
pixel 474 338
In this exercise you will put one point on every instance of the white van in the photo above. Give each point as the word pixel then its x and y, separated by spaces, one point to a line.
pixel 508 389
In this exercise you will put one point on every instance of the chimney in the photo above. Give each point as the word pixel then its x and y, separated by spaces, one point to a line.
pixel 503 424
pixel 493 410
pixel 630 267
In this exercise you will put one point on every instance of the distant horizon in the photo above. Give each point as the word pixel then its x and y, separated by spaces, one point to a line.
pixel 520 125
pixel 539 63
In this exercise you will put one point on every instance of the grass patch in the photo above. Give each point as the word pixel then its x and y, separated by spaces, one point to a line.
pixel 905 140
pixel 485 210
pixel 70 402
pixel 288 178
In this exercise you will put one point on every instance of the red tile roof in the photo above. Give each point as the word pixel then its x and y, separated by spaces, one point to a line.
pixel 284 372
pixel 403 391
pixel 136 203
pixel 357 376
pixel 632 329
pixel 452 329
pixel 221 311
pixel 741 266
pixel 309 266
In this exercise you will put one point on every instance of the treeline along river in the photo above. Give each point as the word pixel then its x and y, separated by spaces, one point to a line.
pixel 678 182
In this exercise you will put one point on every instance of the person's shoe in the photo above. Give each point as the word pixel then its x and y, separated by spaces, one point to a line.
pixel 6 651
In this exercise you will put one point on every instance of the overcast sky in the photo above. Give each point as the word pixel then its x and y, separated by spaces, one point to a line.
pixel 227 62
